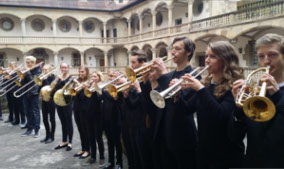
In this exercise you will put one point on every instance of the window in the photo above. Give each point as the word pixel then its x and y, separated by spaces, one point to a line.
pixel 89 26
pixel 64 26
pixel 7 24
pixel 198 7
pixel 159 18
pixel 2 56
pixel 120 1
pixel 76 59
pixel 201 60
pixel 178 21
pixel 38 25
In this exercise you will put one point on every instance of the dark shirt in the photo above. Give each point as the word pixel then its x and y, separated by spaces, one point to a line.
pixel 29 76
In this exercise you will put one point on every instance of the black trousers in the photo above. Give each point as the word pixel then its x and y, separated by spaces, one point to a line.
pixel 19 110
pixel 178 159
pixel 81 118
pixel 95 135
pixel 48 109
pixel 65 116
pixel 0 109
pixel 113 140
pixel 11 105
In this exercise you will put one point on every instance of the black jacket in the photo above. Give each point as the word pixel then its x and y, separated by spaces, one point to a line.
pixel 214 116
pixel 265 140
pixel 172 124
pixel 29 76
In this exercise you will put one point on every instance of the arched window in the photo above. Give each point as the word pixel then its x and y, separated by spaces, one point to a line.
pixel 76 59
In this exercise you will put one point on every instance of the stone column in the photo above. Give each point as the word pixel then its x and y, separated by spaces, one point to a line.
pixel 154 22
pixel 154 53
pixel 105 32
pixel 81 29
pixel 106 59
pixel 55 59
pixel 82 59
pixel 54 27
pixel 141 26
pixel 170 17
pixel 23 26
pixel 129 29
pixel 189 11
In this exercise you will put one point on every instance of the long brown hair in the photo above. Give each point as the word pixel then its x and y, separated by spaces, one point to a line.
pixel 86 69
pixel 232 71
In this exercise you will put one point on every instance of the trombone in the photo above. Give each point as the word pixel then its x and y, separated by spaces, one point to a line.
pixel 114 89
pixel 159 98
pixel 251 97
pixel 133 73
pixel 37 81
pixel 9 75
pixel 21 74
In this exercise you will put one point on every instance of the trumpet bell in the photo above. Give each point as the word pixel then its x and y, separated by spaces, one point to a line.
pixel 130 73
pixel 157 99
pixel 88 93
pixel 112 90
pixel 18 82
pixel 60 99
pixel 72 92
pixel 98 89
pixel 259 108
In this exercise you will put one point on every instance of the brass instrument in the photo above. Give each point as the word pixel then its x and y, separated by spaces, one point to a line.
pixel 9 76
pixel 74 90
pixel 89 91
pixel 3 70
pixel 4 91
pixel 114 89
pixel 251 97
pixel 46 91
pixel 99 87
pixel 132 74
pixel 60 98
pixel 21 74
pixel 37 81
pixel 159 98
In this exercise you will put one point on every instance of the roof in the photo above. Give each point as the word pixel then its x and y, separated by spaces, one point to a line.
pixel 94 5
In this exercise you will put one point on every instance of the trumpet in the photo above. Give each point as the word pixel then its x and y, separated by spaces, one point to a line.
pixel 114 89
pixel 133 73
pixel 37 80
pixel 21 74
pixel 251 97
pixel 60 98
pixel 99 87
pixel 159 98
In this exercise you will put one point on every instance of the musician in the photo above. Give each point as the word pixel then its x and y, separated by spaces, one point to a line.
pixel 175 132
pixel 214 103
pixel 10 97
pixel 265 147
pixel 31 100
pixel 48 108
pixel 65 112
pixel 133 120
pixel 19 109
pixel 112 125
pixel 94 121
pixel 81 114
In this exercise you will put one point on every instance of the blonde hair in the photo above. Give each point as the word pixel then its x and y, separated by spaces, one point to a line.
pixel 99 74
pixel 31 58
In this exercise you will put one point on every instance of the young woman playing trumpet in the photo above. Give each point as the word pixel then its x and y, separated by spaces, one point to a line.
pixel 214 103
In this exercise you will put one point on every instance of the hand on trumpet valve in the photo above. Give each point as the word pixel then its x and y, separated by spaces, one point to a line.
pixel 237 86
pixel 160 66
pixel 136 85
pixel 191 82
pixel 121 80
pixel 272 86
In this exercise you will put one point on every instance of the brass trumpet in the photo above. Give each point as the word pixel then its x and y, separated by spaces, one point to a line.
pixel 74 90
pixel 132 74
pixel 159 98
pixel 114 89
pixel 99 87
pixel 251 97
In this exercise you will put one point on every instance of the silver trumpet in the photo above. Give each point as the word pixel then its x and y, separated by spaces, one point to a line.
pixel 99 87
pixel 159 98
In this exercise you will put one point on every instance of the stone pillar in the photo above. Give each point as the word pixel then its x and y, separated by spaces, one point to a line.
pixel 23 26
pixel 106 59
pixel 170 17
pixel 82 59
pixel 55 59
pixel 105 32
pixel 81 29
pixel 54 27
pixel 154 53
pixel 129 29
pixel 141 24
pixel 189 11
pixel 154 22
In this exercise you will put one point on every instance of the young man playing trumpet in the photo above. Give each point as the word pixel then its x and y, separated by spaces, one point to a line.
pixel 32 98
pixel 265 148
pixel 175 132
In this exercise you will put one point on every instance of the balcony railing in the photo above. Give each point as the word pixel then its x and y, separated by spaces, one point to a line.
pixel 248 15
pixel 251 14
